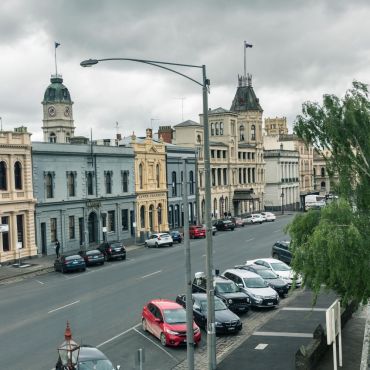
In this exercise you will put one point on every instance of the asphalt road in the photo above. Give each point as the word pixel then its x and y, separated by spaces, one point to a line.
pixel 103 305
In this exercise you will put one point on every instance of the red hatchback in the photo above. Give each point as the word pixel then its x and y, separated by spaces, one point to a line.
pixel 166 320
pixel 197 231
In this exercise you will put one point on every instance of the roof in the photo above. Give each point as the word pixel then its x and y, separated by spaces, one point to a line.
pixel 242 273
pixel 188 123
pixel 217 143
pixel 56 92
pixel 245 98
pixel 218 111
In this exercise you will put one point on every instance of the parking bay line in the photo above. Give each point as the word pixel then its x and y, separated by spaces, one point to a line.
pixel 67 305
pixel 118 335
pixel 303 309
pixel 153 273
pixel 156 344
pixel 283 334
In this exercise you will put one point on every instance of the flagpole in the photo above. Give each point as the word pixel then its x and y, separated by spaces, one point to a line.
pixel 245 59
pixel 55 59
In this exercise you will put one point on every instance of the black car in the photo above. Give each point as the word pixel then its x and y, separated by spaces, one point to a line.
pixel 280 250
pixel 225 320
pixel 176 236
pixel 69 263
pixel 92 257
pixel 269 276
pixel 113 250
pixel 225 289
pixel 223 225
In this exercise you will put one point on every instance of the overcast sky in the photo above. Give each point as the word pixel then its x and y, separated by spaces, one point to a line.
pixel 301 50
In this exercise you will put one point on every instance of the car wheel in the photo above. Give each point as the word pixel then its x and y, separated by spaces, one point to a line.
pixel 156 245
pixel 83 270
pixel 163 340
pixel 144 325
pixel 171 244
pixel 63 271
pixel 123 258
pixel 146 245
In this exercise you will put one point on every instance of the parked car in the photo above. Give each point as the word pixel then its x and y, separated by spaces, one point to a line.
pixel 214 229
pixel 280 250
pixel 176 236
pixel 260 293
pixel 92 257
pixel 90 358
pixel 225 320
pixel 238 221
pixel 254 218
pixel 228 291
pixel 197 231
pixel 113 250
pixel 269 216
pixel 166 320
pixel 280 268
pixel 223 225
pixel 69 263
pixel 281 286
pixel 159 240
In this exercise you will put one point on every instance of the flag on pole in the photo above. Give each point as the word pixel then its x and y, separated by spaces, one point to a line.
pixel 248 45
pixel 56 44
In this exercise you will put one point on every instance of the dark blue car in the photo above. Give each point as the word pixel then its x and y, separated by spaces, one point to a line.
pixel 69 263
pixel 176 236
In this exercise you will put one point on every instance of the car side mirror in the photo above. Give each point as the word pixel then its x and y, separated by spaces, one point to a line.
pixel 158 320
pixel 240 285
pixel 196 307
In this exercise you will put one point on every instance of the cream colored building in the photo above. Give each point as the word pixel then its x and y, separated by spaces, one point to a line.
pixel 276 126
pixel 17 204
pixel 323 181
pixel 150 184
pixel 236 151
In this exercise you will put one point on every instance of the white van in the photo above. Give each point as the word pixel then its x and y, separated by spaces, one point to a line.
pixel 314 201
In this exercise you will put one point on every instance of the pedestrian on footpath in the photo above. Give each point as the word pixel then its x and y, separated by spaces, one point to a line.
pixel 57 248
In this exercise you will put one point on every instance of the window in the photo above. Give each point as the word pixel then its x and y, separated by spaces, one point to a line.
pixel 159 212
pixel 199 139
pixel 68 137
pixel 213 177
pixel 3 179
pixel 253 132
pixel 221 128
pixel 212 129
pixel 18 175
pixel 71 227
pixel 124 220
pixel 49 185
pixel 241 133
pixel 111 221
pixel 322 172
pixel 142 217
pixel 52 138
pixel 225 176
pixel 200 179
pixel 140 176
pixel 108 182
pixel 216 127
pixel 71 184
pixel 233 128
pixel 191 182
pixel 89 183
pixel 125 181
pixel 20 231
pixel 53 230
pixel 174 185
pixel 5 235
pixel 157 175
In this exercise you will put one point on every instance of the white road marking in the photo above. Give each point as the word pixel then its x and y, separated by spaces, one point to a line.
pixel 118 335
pixel 156 344
pixel 261 346
pixel 40 282
pixel 153 273
pixel 249 240
pixel 302 309
pixel 283 334
pixel 67 305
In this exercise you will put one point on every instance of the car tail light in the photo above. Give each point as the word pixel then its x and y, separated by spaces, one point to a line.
pixel 65 262
pixel 109 249
pixel 159 238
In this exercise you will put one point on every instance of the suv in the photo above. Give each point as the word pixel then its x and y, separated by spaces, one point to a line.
pixel 280 251
pixel 197 231
pixel 254 218
pixel 113 250
pixel 223 225
pixel 159 240
pixel 225 289
pixel 260 293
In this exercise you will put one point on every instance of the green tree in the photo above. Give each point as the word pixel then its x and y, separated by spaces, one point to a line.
pixel 331 247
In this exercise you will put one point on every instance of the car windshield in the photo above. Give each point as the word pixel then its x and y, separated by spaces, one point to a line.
pixel 95 365
pixel 255 282
pixel 226 287
pixel 267 274
pixel 116 245
pixel 89 253
pixel 71 258
pixel 164 235
pixel 219 305
pixel 227 222
pixel 175 316
pixel 280 266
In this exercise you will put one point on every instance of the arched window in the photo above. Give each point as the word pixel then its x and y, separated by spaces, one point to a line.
pixel 199 139
pixel 314 171
pixel 226 204
pixel 203 207
pixel 142 217
pixel 191 182
pixel 108 182
pixel 89 181
pixel 174 185
pixel 322 171
pixel 151 217
pixel 18 175
pixel 52 138
pixel 170 216
pixel 159 211
pixel 3 178
pixel 215 208
pixel 323 185
pixel 68 137
pixel 125 181
pixel 71 184
pixel 221 128
pixel 241 133
pixel 253 132
pixel 49 185
pixel 140 176
pixel 157 175
pixel 216 127
pixel 212 129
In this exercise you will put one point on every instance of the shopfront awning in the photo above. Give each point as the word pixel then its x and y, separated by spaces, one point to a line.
pixel 244 195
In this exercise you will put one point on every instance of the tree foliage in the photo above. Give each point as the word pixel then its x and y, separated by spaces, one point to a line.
pixel 331 247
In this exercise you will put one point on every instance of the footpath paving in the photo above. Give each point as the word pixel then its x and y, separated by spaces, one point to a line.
pixel 269 340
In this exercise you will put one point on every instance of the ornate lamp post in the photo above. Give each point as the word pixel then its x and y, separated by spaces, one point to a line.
pixel 282 201
pixel 68 351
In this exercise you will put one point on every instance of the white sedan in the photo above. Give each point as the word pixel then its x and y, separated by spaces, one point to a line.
pixel 280 268
pixel 254 218
pixel 269 216
pixel 159 240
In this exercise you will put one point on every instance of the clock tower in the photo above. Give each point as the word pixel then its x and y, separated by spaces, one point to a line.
pixel 57 120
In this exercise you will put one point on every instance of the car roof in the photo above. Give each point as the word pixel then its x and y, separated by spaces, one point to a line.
pixel 242 273
pixel 269 260
pixel 91 353
pixel 73 256
pixel 165 304
pixel 257 267
pixel 220 279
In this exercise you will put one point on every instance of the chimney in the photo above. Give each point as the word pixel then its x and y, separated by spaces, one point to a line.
pixel 149 133
pixel 166 132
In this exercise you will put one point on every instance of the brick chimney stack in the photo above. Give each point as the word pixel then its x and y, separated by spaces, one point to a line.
pixel 166 132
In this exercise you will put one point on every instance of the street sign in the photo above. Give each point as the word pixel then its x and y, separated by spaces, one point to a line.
pixel 333 329
pixel 4 228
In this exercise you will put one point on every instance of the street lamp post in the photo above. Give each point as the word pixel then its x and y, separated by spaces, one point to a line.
pixel 211 333
pixel 68 352
pixel 282 201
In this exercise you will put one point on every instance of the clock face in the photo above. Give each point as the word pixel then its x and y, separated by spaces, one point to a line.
pixel 67 112
pixel 51 111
